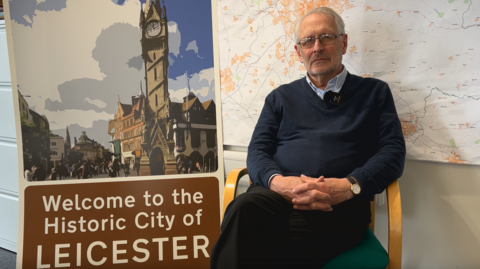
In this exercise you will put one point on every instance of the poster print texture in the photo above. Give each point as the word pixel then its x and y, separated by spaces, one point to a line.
pixel 115 88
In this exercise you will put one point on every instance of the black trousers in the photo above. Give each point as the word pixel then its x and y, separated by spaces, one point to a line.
pixel 262 230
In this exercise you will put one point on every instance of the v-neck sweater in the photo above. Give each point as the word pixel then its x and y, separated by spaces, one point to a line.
pixel 298 133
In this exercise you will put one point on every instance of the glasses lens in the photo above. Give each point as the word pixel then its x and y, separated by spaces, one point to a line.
pixel 327 39
pixel 307 42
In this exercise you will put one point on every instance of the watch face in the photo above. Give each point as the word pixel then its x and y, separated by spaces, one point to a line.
pixel 355 188
pixel 153 29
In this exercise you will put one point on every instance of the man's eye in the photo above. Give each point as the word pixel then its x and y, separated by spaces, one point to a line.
pixel 307 40
pixel 327 37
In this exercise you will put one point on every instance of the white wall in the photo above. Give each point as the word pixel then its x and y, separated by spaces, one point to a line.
pixel 8 153
pixel 441 213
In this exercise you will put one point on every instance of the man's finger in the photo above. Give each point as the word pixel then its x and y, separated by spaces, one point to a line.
pixel 318 195
pixel 312 196
pixel 320 206
pixel 303 200
pixel 310 189
pixel 302 207
pixel 307 178
pixel 314 206
pixel 304 187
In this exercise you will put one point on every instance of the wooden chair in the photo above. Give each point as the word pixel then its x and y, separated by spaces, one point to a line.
pixel 370 254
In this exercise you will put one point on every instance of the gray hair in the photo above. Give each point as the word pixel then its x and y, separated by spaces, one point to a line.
pixel 321 10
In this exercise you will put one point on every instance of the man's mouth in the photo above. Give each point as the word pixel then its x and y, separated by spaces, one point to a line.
pixel 320 60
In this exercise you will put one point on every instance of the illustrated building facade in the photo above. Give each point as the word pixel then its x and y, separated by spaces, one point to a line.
pixel 91 149
pixel 127 128
pixel 195 134
pixel 57 148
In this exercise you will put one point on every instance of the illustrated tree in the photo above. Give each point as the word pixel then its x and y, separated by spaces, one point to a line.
pixel 35 140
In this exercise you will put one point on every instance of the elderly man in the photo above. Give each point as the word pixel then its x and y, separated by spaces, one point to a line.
pixel 323 146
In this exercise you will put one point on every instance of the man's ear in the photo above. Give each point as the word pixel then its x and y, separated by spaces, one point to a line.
pixel 345 43
pixel 297 49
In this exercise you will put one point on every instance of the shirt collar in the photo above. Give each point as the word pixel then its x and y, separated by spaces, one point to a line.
pixel 334 85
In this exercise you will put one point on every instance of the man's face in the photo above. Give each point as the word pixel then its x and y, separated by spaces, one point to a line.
pixel 321 60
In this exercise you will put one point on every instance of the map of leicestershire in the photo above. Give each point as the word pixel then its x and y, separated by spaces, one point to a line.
pixel 427 51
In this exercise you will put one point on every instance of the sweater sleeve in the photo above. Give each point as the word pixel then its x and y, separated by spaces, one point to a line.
pixel 263 145
pixel 387 164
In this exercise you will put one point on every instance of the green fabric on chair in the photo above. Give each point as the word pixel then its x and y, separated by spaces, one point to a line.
pixel 369 254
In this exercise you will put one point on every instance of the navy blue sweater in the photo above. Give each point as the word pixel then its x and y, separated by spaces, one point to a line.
pixel 298 133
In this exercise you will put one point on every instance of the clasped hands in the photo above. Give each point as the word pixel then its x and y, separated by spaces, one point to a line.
pixel 307 193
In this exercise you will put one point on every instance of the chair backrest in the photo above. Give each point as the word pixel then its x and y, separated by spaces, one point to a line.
pixel 372 209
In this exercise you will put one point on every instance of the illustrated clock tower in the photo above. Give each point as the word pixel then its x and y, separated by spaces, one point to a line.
pixel 158 146
pixel 153 22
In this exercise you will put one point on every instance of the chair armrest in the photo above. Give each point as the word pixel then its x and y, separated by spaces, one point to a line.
pixel 394 226
pixel 231 186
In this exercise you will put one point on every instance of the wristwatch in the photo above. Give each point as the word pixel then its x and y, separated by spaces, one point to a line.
pixel 355 188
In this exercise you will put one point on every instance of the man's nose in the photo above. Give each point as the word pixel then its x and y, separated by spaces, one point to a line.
pixel 317 46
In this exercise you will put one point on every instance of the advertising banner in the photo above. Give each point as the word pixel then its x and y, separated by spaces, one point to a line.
pixel 118 130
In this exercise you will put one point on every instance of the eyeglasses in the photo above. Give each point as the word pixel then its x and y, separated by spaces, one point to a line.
pixel 325 39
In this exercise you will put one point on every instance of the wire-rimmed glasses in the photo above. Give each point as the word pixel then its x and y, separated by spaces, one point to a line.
pixel 325 39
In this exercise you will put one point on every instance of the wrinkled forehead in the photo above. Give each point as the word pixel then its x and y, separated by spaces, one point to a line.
pixel 316 24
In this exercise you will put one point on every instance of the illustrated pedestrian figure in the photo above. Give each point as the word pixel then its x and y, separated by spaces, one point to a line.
pixel 190 168
pixel 196 168
pixel 79 171
pixel 116 168
pixel 53 176
pixel 40 173
pixel 126 170
pixel 74 170
pixel 137 167
pixel 111 172
pixel 61 171
pixel 120 167
pixel 28 174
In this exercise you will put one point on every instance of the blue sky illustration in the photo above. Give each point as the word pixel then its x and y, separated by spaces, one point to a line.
pixel 195 30
pixel 23 11
pixel 192 28
pixel 193 60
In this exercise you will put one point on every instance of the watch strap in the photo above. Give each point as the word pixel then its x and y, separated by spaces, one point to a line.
pixel 352 180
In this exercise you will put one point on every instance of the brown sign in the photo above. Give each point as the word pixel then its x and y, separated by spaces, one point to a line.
pixel 170 223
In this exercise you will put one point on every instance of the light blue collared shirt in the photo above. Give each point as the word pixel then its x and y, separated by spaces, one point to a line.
pixel 334 85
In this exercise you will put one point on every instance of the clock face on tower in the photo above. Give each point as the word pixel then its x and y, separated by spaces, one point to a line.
pixel 153 29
